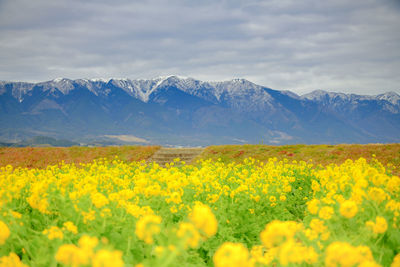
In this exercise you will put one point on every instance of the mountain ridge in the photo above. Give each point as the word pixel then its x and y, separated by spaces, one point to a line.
pixel 180 78
pixel 181 110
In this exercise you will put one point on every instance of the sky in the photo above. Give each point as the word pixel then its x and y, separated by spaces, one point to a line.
pixel 334 45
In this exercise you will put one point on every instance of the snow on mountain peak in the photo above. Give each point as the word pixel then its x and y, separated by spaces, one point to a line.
pixel 391 97
pixel 57 80
pixel 236 92
pixel 104 80
pixel 64 85
pixel 320 95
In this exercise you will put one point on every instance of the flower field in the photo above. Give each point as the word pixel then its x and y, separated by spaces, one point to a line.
pixel 213 213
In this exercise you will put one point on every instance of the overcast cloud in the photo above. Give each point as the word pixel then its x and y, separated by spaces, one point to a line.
pixel 335 45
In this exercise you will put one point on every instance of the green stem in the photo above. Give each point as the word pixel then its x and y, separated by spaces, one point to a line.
pixel 24 244
pixel 129 245
pixel 170 258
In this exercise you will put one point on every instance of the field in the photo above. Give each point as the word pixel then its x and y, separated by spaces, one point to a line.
pixel 284 206
pixel 41 157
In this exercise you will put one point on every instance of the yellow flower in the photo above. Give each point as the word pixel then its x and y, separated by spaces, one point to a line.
pixel 345 255
pixel 99 200
pixel 377 194
pixel 231 255
pixel 340 254
pixel 311 234
pixel 173 209
pixel 88 216
pixel 292 252
pixel 204 220
pixel 393 184
pixel 175 197
pixel 4 232
pixel 348 209
pixel 312 206
pixel 189 234
pixel 105 258
pixel 396 261
pixel 16 215
pixel 147 226
pixel 53 233
pixel 315 186
pixel 69 226
pixel 326 213
pixel 88 243
pixel 381 225
pixel 159 250
pixel 318 225
pixel 287 188
pixel 378 227
pixel 106 212
pixel 277 232
pixel 259 254
pixel 12 260
pixel 70 254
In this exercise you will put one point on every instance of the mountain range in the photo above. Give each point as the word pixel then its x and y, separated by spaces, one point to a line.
pixel 184 111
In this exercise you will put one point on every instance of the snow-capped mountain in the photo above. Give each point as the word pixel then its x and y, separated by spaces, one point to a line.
pixel 179 110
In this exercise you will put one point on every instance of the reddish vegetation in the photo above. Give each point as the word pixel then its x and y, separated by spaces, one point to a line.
pixel 40 157
pixel 387 154
pixel 241 152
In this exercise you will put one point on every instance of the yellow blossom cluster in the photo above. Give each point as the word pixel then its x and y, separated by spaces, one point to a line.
pixel 232 255
pixel 12 260
pixel 279 240
pixel 84 254
pixel 4 232
pixel 274 213
pixel 379 226
pixel 204 220
pixel 148 226
pixel 346 255
pixel 189 234
pixel 53 233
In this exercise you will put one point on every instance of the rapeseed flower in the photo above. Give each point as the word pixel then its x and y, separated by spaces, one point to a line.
pixel 72 255
pixel 346 255
pixel 326 213
pixel 105 258
pixel 379 226
pixel 189 234
pixel 88 243
pixel 12 260
pixel 203 218
pixel 147 227
pixel 4 232
pixel 396 261
pixel 71 227
pixel 313 206
pixel 232 255
pixel 348 209
pixel 53 233
pixel 278 232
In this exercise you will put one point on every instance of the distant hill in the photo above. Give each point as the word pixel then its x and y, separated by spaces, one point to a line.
pixel 184 111
pixel 41 141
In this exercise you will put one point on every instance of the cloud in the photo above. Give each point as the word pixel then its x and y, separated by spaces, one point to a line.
pixel 296 45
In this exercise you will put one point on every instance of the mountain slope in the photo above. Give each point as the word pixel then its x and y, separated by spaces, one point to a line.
pixel 185 111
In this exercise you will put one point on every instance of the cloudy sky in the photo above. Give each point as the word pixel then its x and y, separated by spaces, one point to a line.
pixel 335 45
